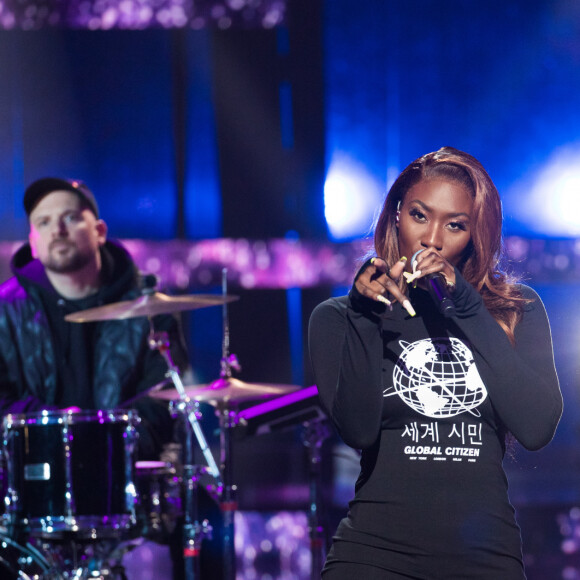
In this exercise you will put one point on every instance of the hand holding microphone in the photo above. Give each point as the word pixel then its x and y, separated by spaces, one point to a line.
pixel 438 288
pixel 379 282
pixel 439 292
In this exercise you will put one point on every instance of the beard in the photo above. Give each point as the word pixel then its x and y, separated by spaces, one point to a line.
pixel 66 263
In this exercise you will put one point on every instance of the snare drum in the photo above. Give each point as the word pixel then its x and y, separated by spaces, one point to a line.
pixel 71 472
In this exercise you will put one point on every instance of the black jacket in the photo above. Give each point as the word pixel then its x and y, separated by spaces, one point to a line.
pixel 122 364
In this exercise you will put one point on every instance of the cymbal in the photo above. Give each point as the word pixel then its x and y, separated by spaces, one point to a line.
pixel 149 305
pixel 227 390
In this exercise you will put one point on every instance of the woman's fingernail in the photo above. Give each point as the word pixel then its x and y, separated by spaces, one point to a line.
pixel 373 260
pixel 403 258
pixel 384 300
pixel 407 306
pixel 410 277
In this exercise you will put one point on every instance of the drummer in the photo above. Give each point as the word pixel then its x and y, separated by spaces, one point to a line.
pixel 69 265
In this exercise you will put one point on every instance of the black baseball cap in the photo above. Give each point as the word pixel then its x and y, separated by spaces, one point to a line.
pixel 42 187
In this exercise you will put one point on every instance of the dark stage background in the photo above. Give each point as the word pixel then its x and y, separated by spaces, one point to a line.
pixel 227 134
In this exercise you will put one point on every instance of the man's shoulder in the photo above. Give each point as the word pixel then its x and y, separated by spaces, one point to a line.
pixel 12 290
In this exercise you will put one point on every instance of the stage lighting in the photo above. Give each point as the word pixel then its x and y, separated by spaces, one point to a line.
pixel 351 198
pixel 548 202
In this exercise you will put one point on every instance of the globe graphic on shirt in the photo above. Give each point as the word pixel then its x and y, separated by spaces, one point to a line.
pixel 438 378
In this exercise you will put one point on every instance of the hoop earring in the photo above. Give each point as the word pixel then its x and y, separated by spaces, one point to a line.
pixel 398 214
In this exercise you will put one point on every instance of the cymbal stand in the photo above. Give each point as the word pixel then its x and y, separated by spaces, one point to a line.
pixel 314 434
pixel 227 420
pixel 193 531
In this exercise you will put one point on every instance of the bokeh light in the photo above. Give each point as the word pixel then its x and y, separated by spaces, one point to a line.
pixel 141 14
pixel 548 199
pixel 351 198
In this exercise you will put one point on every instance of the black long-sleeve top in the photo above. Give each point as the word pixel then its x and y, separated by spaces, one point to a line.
pixel 429 401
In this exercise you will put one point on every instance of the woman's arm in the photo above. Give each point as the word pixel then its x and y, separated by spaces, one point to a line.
pixel 521 379
pixel 346 351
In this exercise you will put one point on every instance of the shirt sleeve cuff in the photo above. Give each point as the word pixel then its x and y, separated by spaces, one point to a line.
pixel 467 299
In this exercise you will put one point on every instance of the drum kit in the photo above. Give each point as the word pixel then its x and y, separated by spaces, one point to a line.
pixel 76 500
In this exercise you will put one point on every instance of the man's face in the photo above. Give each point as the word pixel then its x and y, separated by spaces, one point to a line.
pixel 64 235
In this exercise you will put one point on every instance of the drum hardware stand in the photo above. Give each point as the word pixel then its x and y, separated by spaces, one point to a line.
pixel 224 394
pixel 98 560
pixel 193 531
pixel 27 555
pixel 227 421
pixel 313 437
pixel 228 504
pixel 160 341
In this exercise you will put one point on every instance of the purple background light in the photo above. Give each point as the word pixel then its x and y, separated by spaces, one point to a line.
pixel 282 264
pixel 136 15
pixel 272 545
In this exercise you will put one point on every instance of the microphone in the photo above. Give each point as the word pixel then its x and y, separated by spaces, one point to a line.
pixel 439 292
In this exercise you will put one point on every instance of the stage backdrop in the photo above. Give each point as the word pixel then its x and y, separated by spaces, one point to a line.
pixel 259 126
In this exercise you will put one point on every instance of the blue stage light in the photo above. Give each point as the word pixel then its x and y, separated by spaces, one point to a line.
pixel 351 198
pixel 548 201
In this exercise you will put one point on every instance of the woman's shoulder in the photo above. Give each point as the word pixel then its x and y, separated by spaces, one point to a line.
pixel 531 298
pixel 526 291
pixel 336 305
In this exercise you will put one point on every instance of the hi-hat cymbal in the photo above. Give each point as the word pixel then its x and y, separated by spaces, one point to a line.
pixel 149 305
pixel 227 390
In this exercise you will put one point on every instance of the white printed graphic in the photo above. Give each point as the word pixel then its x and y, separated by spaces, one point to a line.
pixel 438 378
